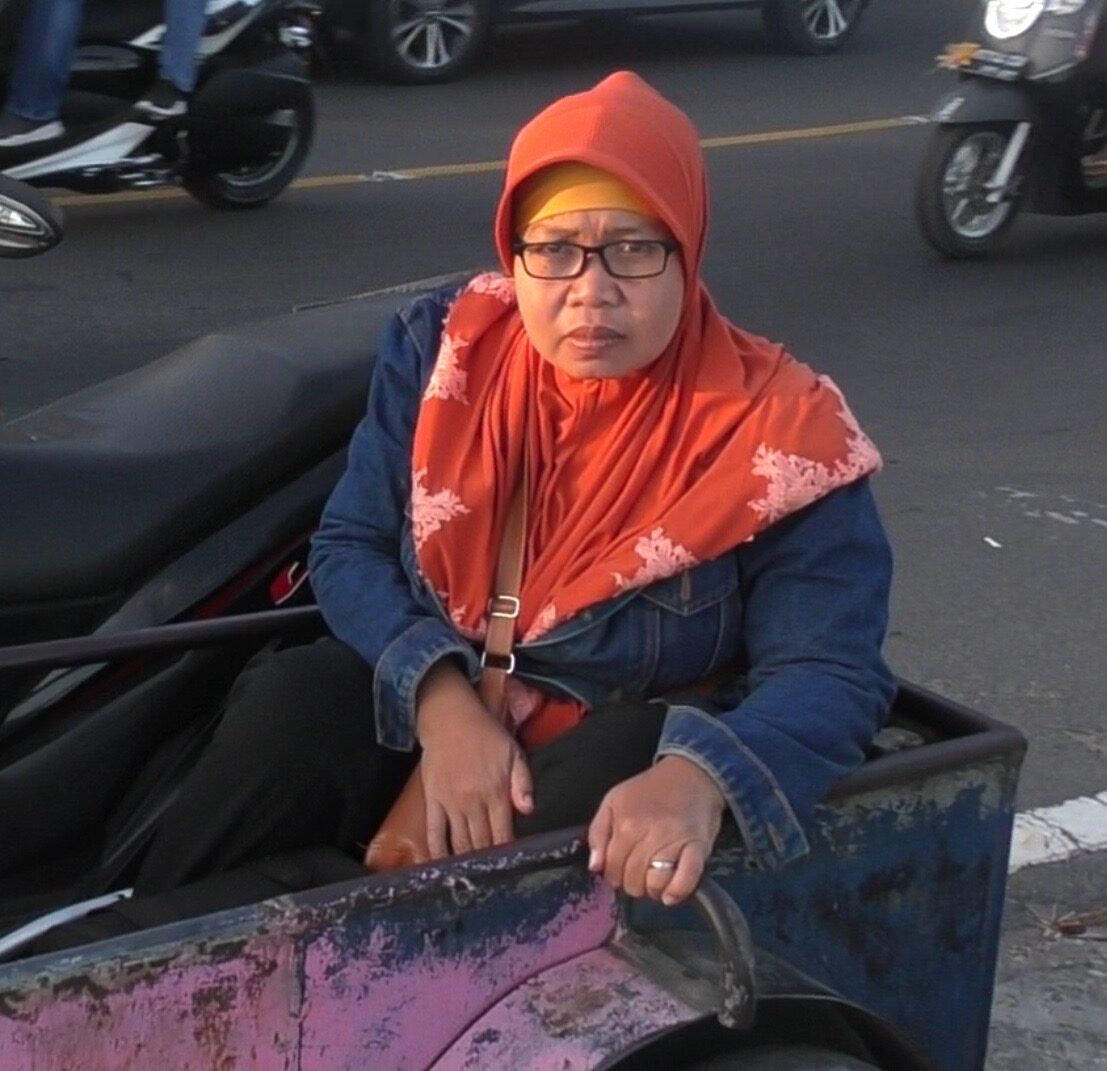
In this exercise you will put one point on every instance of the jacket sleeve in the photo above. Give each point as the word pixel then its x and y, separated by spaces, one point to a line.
pixel 356 559
pixel 815 607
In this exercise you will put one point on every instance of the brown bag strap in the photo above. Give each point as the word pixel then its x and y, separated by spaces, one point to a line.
pixel 503 608
pixel 401 839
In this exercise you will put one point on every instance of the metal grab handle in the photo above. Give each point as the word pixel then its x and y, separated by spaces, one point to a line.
pixel 727 925
pixel 158 639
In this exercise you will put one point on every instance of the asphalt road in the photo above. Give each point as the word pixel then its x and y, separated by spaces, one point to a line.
pixel 984 384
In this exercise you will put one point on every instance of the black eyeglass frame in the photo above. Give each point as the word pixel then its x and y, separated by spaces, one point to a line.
pixel 518 247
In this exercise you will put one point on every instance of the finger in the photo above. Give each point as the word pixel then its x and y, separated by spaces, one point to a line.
pixel 635 868
pixel 658 879
pixel 599 833
pixel 619 849
pixel 436 831
pixel 687 875
pixel 501 819
pixel 480 829
pixel 522 785
pixel 459 833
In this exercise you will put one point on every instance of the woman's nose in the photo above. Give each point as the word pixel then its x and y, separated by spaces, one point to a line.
pixel 595 283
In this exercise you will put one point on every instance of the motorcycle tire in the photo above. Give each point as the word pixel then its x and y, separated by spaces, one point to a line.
pixel 811 27
pixel 782 1058
pixel 951 240
pixel 406 42
pixel 256 186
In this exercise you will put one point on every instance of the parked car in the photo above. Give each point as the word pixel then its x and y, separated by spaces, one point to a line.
pixel 425 41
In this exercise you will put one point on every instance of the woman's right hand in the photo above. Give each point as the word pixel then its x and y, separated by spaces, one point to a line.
pixel 474 773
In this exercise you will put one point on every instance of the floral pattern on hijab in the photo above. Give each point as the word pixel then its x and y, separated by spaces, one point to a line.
pixel 630 480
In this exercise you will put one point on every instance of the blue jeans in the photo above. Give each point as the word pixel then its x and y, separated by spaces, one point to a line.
pixel 49 37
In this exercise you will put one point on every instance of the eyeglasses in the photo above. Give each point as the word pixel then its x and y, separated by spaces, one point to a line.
pixel 628 258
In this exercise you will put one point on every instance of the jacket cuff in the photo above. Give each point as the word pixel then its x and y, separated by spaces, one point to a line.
pixel 400 670
pixel 765 818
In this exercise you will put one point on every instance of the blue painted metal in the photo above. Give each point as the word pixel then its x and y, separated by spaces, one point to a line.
pixel 898 906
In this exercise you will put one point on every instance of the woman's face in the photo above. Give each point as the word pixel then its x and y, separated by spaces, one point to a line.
pixel 596 326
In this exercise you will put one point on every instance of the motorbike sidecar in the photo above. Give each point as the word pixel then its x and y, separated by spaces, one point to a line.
pixel 877 949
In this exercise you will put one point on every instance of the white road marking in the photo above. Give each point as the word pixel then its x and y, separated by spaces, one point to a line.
pixel 1054 834
pixel 1037 506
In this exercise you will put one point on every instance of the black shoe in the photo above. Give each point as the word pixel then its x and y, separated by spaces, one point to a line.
pixel 16 131
pixel 164 101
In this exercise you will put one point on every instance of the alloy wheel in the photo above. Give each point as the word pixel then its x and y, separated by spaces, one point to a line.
pixel 827 20
pixel 255 175
pixel 429 34
pixel 964 189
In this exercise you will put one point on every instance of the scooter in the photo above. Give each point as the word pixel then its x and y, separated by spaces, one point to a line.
pixel 250 121
pixel 1022 130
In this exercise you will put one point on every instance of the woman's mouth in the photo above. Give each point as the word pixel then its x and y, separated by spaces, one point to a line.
pixel 593 340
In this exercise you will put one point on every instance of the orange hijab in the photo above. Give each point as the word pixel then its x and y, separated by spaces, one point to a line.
pixel 630 480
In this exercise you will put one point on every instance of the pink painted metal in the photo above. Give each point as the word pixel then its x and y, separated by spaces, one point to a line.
pixel 341 984
pixel 360 1012
pixel 570 1017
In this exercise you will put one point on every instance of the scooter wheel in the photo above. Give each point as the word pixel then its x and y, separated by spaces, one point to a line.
pixel 256 185
pixel 951 204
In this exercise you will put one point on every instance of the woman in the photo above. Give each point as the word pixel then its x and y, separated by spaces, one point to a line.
pixel 704 576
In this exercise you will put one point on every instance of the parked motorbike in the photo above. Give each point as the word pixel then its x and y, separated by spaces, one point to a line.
pixel 29 224
pixel 1022 130
pixel 250 121
pixel 177 495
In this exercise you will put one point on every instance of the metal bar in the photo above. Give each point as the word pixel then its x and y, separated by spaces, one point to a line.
pixel 973 738
pixel 158 639
pixel 998 182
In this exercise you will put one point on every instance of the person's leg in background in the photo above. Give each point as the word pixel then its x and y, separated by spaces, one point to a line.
pixel 178 61
pixel 40 72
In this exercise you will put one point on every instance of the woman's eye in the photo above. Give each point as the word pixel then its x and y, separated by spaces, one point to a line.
pixel 550 249
pixel 634 249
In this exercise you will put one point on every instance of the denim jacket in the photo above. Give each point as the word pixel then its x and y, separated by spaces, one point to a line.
pixel 799 611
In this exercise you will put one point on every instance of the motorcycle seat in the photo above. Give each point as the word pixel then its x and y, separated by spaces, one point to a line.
pixel 108 483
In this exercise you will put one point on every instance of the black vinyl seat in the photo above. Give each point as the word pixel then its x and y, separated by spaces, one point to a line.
pixel 105 484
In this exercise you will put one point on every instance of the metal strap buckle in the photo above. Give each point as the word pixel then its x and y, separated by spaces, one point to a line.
pixel 497 604
pixel 494 661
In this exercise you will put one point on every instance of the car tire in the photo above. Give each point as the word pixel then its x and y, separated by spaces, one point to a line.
pixel 781 1058
pixel 811 27
pixel 421 42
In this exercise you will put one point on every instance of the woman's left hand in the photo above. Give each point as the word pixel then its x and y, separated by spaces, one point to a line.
pixel 669 814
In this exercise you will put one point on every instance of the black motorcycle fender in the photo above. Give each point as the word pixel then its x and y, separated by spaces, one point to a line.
pixel 251 88
pixel 979 101
pixel 236 116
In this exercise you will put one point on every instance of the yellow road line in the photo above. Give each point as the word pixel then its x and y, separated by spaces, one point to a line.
pixel 318 182
pixel 869 126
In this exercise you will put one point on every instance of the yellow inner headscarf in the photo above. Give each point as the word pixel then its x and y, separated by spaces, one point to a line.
pixel 572 187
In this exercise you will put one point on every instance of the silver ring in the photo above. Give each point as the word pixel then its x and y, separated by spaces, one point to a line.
pixel 662 864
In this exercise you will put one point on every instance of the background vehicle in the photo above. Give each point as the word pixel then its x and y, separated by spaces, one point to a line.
pixel 1022 129
pixel 250 123
pixel 422 41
